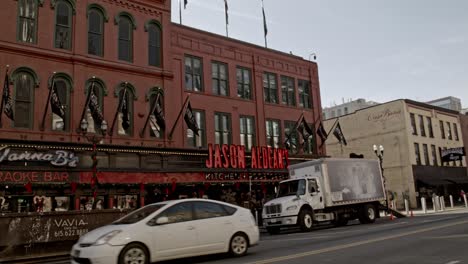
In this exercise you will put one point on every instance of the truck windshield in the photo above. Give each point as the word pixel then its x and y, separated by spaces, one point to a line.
pixel 292 188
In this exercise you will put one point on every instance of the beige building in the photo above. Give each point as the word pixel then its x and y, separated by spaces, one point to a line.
pixel 413 135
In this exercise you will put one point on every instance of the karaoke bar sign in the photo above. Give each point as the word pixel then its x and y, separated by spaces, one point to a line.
pixel 233 156
pixel 59 158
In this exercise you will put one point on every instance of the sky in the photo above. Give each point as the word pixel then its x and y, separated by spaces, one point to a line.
pixel 379 50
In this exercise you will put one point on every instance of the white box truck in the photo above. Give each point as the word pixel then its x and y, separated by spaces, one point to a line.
pixel 326 190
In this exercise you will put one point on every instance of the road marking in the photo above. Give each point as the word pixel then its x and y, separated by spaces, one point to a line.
pixel 449 237
pixel 453 262
pixel 355 244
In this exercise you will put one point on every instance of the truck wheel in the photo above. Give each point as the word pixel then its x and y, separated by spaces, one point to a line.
pixel 306 220
pixel 273 230
pixel 368 214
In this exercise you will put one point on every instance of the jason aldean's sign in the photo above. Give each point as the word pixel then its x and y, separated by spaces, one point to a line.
pixel 233 156
pixel 60 158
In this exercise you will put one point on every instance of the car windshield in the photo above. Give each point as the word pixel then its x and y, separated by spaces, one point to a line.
pixel 292 188
pixel 139 214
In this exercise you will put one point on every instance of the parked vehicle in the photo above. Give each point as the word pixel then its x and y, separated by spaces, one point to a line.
pixel 333 190
pixel 169 230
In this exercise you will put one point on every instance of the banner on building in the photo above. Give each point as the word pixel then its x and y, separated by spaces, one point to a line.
pixel 452 154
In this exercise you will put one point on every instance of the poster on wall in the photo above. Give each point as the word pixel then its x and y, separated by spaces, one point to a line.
pixel 453 154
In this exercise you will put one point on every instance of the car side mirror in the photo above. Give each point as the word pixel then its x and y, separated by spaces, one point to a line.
pixel 162 220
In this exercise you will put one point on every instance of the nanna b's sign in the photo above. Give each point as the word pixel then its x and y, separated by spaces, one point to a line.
pixel 452 154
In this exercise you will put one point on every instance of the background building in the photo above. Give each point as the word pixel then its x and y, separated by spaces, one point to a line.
pixel 413 135
pixel 127 64
pixel 449 102
pixel 346 108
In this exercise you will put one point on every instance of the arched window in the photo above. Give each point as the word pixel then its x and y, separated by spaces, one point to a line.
pixel 154 44
pixel 125 112
pixel 62 85
pixel 96 31
pixel 27 21
pixel 63 25
pixel 24 83
pixel 156 118
pixel 94 113
pixel 126 25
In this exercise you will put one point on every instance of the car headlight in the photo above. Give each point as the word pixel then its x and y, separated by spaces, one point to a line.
pixel 294 207
pixel 105 238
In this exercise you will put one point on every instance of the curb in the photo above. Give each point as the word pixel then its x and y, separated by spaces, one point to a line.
pixel 39 258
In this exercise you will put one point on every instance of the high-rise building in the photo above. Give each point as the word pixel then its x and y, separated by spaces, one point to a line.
pixel 448 102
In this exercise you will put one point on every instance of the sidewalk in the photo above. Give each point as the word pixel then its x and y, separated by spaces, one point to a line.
pixel 430 211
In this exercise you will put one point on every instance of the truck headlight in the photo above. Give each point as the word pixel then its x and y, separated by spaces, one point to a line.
pixel 293 207
pixel 105 238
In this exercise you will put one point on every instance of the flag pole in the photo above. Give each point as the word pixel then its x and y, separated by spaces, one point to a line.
pixel 178 117
pixel 91 89
pixel 295 125
pixel 3 97
pixel 142 132
pixel 334 124
pixel 180 12
pixel 111 131
pixel 47 103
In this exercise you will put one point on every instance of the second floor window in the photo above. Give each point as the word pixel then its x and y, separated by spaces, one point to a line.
pixel 291 141
pixel 244 89
pixel 62 90
pixel 23 100
pixel 273 133
pixel 95 32
pixel 429 126
pixel 303 89
pixel 125 113
pixel 442 130
pixel 27 21
pixel 154 45
pixel 426 155
pixel 449 131
pixel 247 132
pixel 288 93
pixel 222 128
pixel 413 124
pixel 270 88
pixel 193 139
pixel 193 74
pixel 157 122
pixel 63 25
pixel 455 131
pixel 434 155
pixel 125 38
pixel 421 126
pixel 416 153
pixel 94 125
pixel 219 78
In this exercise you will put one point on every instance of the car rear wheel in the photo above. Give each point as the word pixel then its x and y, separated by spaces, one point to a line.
pixel 239 245
pixel 134 254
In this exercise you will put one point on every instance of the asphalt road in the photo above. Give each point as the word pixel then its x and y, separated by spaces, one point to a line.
pixel 433 239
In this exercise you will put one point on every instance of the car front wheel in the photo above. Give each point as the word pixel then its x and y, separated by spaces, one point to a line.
pixel 239 245
pixel 134 254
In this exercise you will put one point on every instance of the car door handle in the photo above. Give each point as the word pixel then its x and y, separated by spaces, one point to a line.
pixel 190 228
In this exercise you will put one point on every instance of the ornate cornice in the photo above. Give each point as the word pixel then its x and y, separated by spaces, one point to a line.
pixel 136 7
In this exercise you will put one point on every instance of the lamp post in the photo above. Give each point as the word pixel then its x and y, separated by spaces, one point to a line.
pixel 94 139
pixel 379 152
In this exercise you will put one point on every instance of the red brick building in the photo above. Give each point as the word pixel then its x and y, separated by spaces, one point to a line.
pixel 121 56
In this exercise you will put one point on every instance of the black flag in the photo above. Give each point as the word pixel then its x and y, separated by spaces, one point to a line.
pixel 339 135
pixel 159 115
pixel 95 108
pixel 55 104
pixel 7 102
pixel 190 120
pixel 124 111
pixel 226 11
pixel 322 133
pixel 265 29
pixel 185 3
pixel 304 129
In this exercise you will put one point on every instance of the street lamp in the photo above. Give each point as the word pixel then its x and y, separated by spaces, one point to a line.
pixel 379 152
pixel 94 138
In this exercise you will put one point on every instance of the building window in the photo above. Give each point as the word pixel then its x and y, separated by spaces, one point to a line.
pixel 62 90
pixel 426 155
pixel 244 87
pixel 219 79
pixel 291 142
pixel 247 132
pixel 156 130
pixel 273 131
pixel 442 130
pixel 95 32
pixel 455 131
pixel 194 140
pixel 346 110
pixel 303 89
pixel 154 44
pixel 449 131
pixel 287 91
pixel 63 25
pixel 421 126
pixel 429 126
pixel 125 112
pixel 193 74
pixel 416 152
pixel 222 128
pixel 434 155
pixel 27 21
pixel 125 44
pixel 339 112
pixel 413 124
pixel 97 87
pixel 270 88
pixel 333 114
pixel 23 100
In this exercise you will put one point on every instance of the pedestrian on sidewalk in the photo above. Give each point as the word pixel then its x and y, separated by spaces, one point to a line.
pixel 462 194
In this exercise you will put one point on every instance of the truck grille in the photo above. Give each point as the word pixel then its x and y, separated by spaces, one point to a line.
pixel 273 209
